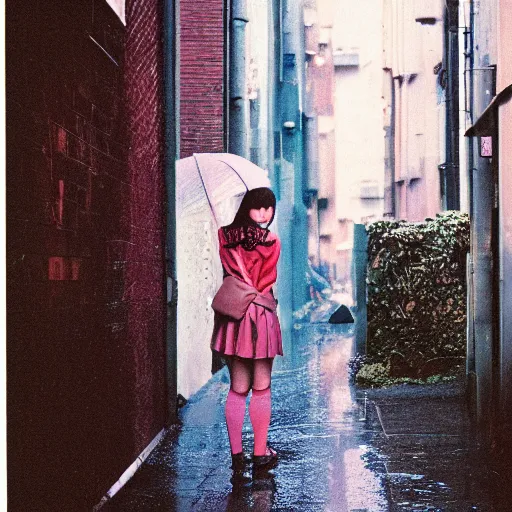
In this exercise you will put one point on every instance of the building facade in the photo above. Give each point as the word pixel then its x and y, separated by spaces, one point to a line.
pixel 359 137
pixel 415 109
pixel 487 96
pixel 343 49
pixel 86 296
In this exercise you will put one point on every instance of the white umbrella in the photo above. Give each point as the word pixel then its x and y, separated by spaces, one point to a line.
pixel 209 188
pixel 219 179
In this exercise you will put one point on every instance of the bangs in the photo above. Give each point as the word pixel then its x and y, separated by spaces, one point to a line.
pixel 260 198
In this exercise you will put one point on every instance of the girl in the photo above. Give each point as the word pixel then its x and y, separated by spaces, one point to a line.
pixel 249 252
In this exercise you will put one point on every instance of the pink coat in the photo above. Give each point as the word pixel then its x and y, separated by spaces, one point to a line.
pixel 258 334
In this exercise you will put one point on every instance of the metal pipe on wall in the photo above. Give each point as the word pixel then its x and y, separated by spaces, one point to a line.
pixel 453 49
pixel 392 150
pixel 311 151
pixel 238 109
pixel 463 61
pixel 470 351
pixel 171 113
pixel 450 168
pixel 255 150
pixel 481 250
pixel 292 137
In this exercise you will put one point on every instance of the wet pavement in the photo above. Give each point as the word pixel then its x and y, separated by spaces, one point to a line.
pixel 341 449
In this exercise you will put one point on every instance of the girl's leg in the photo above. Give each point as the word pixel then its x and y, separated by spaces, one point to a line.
pixel 240 374
pixel 260 404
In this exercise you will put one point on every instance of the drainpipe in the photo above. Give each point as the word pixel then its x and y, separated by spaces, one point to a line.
pixel 392 150
pixel 171 113
pixel 470 351
pixel 312 180
pixel 453 48
pixel 481 239
pixel 311 152
pixel 463 52
pixel 237 142
pixel 310 121
pixel 254 123
pixel 292 137
pixel 451 166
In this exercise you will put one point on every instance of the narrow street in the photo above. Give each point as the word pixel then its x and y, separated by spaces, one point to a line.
pixel 378 135
pixel 408 451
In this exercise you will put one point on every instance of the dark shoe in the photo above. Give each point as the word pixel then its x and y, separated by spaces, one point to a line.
pixel 264 462
pixel 240 461
pixel 239 465
pixel 263 480
pixel 240 480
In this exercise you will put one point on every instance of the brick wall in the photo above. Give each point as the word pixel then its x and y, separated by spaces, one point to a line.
pixel 202 76
pixel 85 305
pixel 145 260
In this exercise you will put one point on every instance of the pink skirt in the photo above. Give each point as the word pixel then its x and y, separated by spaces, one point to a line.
pixel 256 336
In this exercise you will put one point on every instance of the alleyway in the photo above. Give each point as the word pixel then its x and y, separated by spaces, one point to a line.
pixel 409 453
pixel 355 113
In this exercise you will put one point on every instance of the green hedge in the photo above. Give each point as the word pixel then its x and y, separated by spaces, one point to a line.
pixel 417 289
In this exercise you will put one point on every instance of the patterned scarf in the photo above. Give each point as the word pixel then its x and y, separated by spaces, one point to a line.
pixel 249 237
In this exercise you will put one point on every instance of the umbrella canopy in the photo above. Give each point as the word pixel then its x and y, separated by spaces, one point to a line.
pixel 217 179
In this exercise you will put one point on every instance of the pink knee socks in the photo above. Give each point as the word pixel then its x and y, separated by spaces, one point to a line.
pixel 259 412
pixel 235 411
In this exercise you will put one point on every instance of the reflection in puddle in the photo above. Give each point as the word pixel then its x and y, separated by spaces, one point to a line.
pixel 362 482
pixel 332 455
pixel 352 484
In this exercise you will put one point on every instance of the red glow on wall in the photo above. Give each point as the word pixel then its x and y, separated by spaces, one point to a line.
pixel 63 269
pixel 61 201
pixel 61 140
